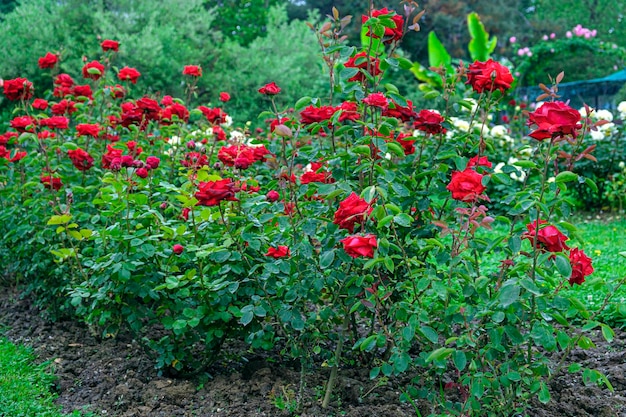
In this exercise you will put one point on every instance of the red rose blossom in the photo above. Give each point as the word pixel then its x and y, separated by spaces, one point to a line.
pixel 278 252
pixel 357 246
pixel 466 185
pixel 178 249
pixel 142 172
pixel 554 120
pixel 272 196
pixel 391 33
pixel 270 89
pixel 128 74
pixel 399 112
pixel 377 100
pixel 81 159
pixel 40 104
pixel 312 114
pixel 85 129
pixel 363 62
pixel 109 45
pixel 479 161
pixel 55 122
pixel 351 211
pixel 581 266
pixel 152 162
pixel 82 91
pixel 63 107
pixel 430 122
pixel 93 70
pixel 549 237
pixel 18 89
pixel 192 70
pixel 211 193
pixel 489 76
pixel 23 123
pixel 224 97
pixel 216 115
pixel 49 60
pixel 51 183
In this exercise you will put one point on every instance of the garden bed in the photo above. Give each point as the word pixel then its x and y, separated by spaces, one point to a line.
pixel 115 377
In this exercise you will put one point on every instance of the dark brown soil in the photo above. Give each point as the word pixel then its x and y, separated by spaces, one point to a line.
pixel 115 377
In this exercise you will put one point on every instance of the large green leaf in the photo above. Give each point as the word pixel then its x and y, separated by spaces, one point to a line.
pixel 438 56
pixel 480 46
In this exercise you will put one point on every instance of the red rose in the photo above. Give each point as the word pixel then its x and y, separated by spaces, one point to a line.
pixel 128 74
pixel 55 122
pixel 224 96
pixel 399 112
pixel 85 129
pixel 48 61
pixel 466 185
pixel 8 137
pixel 194 160
pixel 216 115
pixel 192 70
pixel 312 114
pixel 110 156
pixel 278 252
pixel 489 76
pixel 272 196
pixel 82 91
pixel 352 210
pixel 211 193
pixel 408 145
pixel 178 249
pixel 581 266
pixel 391 34
pixel 554 120
pixel 153 162
pixel 377 100
pixel 117 91
pixel 142 172
pixel 548 237
pixel 174 109
pixel 23 124
pixel 356 246
pixel 18 89
pixel 81 159
pixel 270 89
pixel 93 70
pixel 109 45
pixel 349 111
pixel 479 161
pixel 429 122
pixel 364 62
pixel 63 107
pixel 219 133
pixel 6 154
pixel 40 104
pixel 316 174
pixel 51 183
pixel 46 134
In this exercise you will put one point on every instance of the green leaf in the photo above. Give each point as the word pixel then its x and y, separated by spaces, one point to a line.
pixel 430 334
pixel 327 258
pixel 607 333
pixel 509 293
pixel 62 219
pixel 563 266
pixel 403 220
pixel 438 56
pixel 480 46
pixel 544 393
pixel 437 354
pixel 459 359
pixel 566 176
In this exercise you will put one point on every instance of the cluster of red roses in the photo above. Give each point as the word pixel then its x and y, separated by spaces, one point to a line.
pixel 114 159
pixel 549 238
pixel 242 156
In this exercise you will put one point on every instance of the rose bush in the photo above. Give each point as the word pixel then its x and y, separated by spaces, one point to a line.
pixel 338 230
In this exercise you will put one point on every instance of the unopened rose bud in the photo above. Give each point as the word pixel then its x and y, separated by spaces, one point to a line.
pixel 178 249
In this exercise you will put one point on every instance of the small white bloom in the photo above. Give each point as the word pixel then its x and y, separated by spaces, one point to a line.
pixel 551 180
pixel 174 140
pixel 604 115
pixel 499 131
pixel 621 165
pixel 228 121
pixel 236 135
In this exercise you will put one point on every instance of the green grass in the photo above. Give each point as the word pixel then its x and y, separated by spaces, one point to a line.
pixel 603 242
pixel 25 386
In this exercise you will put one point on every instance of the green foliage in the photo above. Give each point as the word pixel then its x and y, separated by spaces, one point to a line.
pixel 480 46
pixel 24 386
pixel 287 55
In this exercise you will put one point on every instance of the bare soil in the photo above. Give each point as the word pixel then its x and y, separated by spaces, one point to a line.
pixel 116 377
